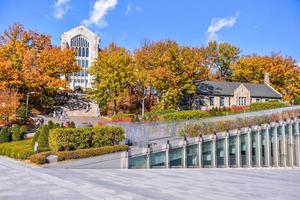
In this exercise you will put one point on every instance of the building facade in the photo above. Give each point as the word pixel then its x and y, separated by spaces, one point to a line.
pixel 268 145
pixel 86 44
pixel 216 94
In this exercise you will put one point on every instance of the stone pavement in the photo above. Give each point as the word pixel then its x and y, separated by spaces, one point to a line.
pixel 22 181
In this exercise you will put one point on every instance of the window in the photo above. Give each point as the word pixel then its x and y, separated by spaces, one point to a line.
pixel 87 52
pixel 229 101
pixel 257 100
pixel 211 101
pixel 83 52
pixel 221 101
pixel 266 99
pixel 242 101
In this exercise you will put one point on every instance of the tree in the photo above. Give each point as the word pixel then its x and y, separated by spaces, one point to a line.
pixel 9 102
pixel 21 113
pixel 219 57
pixel 28 62
pixel 283 71
pixel 170 70
pixel 113 74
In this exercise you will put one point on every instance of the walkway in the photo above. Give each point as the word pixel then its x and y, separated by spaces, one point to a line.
pixel 20 181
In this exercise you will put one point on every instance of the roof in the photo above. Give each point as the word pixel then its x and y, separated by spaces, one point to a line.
pixel 223 88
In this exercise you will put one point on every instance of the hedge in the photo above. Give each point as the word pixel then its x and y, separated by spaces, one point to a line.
pixel 266 105
pixel 41 158
pixel 184 115
pixel 18 149
pixel 82 138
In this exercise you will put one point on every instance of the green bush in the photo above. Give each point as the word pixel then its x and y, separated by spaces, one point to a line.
pixel 51 124
pixel 297 100
pixel 184 115
pixel 18 149
pixel 266 105
pixel 22 114
pixel 41 158
pixel 72 124
pixel 107 136
pixel 43 138
pixel 23 130
pixel 35 136
pixel 5 134
pixel 16 135
pixel 82 138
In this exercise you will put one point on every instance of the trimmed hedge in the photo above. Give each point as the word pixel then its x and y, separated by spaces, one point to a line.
pixel 266 105
pixel 18 149
pixel 40 158
pixel 5 134
pixel 184 115
pixel 82 138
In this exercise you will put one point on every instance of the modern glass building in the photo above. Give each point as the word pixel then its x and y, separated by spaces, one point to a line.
pixel 86 44
pixel 270 145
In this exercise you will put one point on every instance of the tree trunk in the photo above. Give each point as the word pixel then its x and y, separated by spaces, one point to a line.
pixel 115 107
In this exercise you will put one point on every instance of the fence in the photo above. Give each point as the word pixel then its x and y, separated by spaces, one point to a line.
pixel 142 133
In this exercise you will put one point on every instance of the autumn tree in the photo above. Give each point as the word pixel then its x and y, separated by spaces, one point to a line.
pixel 283 71
pixel 113 76
pixel 170 70
pixel 28 62
pixel 9 102
pixel 219 57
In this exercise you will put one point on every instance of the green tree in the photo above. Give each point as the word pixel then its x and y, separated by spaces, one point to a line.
pixel 219 57
pixel 21 113
pixel 113 74
pixel 5 134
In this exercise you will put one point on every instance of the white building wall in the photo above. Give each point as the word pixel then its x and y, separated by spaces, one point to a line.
pixel 84 81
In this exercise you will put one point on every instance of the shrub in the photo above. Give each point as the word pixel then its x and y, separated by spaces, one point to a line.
pixel 16 135
pixel 5 135
pixel 43 138
pixel 297 100
pixel 107 136
pixel 41 158
pixel 81 138
pixel 184 115
pixel 122 117
pixel 21 113
pixel 18 149
pixel 23 130
pixel 51 124
pixel 266 105
pixel 72 124
pixel 35 136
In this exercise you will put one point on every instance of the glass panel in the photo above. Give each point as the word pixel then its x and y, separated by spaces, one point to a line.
pixel 263 147
pixel 243 150
pixel 279 138
pixel 175 156
pixel 272 146
pixel 206 154
pixel 87 52
pixel 232 151
pixel 253 147
pixel 220 152
pixel 83 52
pixel 192 155
pixel 157 160
pixel 138 162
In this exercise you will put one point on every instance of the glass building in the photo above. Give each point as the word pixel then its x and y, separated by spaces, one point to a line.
pixel 86 44
pixel 270 145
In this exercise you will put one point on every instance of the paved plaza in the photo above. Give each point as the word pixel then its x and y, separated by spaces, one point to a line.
pixel 22 181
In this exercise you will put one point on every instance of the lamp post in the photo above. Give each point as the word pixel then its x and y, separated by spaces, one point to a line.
pixel 27 100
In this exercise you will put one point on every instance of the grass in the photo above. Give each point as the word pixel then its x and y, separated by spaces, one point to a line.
pixel 17 150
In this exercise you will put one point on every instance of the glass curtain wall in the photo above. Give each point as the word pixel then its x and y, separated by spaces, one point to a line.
pixel 243 148
pixel 176 157
pixel 207 154
pixel 254 148
pixel 192 155
pixel 220 152
pixel 232 151
pixel 158 159
pixel 81 45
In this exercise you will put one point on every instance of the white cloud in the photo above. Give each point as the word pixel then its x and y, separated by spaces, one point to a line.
pixel 61 7
pixel 131 7
pixel 99 11
pixel 217 24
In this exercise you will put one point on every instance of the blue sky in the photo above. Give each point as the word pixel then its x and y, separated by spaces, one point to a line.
pixel 256 26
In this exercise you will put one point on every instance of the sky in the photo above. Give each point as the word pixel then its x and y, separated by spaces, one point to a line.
pixel 256 26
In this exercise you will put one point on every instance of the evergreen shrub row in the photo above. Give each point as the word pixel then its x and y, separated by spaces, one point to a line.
pixel 66 139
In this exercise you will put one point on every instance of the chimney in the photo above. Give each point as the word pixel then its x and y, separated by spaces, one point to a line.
pixel 267 78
